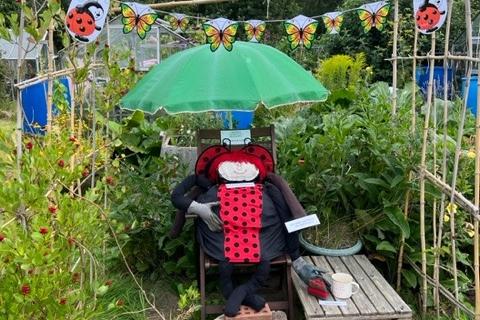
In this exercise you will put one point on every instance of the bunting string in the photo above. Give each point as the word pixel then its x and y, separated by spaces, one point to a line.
pixel 85 21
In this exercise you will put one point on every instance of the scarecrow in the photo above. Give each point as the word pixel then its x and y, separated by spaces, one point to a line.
pixel 243 207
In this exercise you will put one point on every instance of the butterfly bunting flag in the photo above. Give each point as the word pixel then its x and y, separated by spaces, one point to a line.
pixel 178 21
pixel 300 31
pixel 137 16
pixel 85 19
pixel 254 30
pixel 373 15
pixel 333 21
pixel 429 15
pixel 220 31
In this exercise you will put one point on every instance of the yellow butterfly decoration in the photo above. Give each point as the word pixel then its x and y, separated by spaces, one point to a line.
pixel 300 31
pixel 135 15
pixel 333 21
pixel 220 31
pixel 373 15
pixel 254 30
pixel 178 21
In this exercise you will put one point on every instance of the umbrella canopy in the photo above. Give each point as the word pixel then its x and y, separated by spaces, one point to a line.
pixel 198 80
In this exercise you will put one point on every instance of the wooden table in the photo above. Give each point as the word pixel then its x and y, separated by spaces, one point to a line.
pixel 375 300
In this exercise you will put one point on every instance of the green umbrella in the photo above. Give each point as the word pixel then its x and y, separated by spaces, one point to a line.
pixel 198 80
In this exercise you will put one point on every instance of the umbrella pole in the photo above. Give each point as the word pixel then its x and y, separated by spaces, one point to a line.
pixel 230 120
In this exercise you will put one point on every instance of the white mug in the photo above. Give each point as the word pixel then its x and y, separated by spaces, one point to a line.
pixel 342 285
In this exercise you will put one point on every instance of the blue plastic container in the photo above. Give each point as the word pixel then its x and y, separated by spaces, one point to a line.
pixel 422 75
pixel 240 119
pixel 472 93
pixel 34 104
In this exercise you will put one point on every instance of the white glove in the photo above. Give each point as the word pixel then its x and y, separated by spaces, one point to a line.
pixel 204 211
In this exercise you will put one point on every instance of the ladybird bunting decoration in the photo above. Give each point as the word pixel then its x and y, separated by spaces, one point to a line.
pixel 85 19
pixel 220 31
pixel 178 21
pixel 373 15
pixel 137 16
pixel 429 15
pixel 254 30
pixel 333 21
pixel 300 31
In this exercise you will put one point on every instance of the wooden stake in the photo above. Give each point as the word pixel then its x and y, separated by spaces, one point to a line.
pixel 19 76
pixel 394 57
pixel 50 77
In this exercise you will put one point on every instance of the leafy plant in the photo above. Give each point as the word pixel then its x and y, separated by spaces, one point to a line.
pixel 343 75
pixel 354 162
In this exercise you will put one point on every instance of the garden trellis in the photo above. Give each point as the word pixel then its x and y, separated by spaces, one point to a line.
pixel 438 174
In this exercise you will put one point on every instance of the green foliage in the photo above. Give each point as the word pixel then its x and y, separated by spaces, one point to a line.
pixel 50 236
pixel 354 161
pixel 344 75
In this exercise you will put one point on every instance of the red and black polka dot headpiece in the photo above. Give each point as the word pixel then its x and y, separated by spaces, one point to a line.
pixel 211 158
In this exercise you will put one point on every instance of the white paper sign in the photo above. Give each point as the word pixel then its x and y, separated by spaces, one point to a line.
pixel 340 303
pixel 236 137
pixel 302 223
pixel 239 185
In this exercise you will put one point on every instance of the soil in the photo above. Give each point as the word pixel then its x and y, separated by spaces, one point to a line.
pixel 338 234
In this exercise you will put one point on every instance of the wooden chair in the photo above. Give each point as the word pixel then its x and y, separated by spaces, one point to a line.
pixel 266 138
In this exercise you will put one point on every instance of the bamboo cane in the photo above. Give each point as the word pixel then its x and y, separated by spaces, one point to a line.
pixel 476 248
pixel 434 166
pixel 394 56
pixel 410 175
pixel 414 85
pixel 422 177
pixel 94 123
pixel 468 24
pixel 50 77
pixel 441 57
pixel 436 267
pixel 459 198
pixel 18 132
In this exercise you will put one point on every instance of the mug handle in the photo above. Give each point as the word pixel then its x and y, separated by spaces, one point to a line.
pixel 355 288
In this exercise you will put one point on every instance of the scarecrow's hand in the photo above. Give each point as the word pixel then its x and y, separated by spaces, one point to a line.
pixel 204 211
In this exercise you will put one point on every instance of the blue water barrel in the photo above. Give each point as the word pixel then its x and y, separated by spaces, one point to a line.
pixel 472 93
pixel 422 75
pixel 34 104
pixel 240 119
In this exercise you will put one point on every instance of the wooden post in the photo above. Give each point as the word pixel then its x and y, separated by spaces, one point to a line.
pixel 19 76
pixel 50 78
pixel 422 177
pixel 394 57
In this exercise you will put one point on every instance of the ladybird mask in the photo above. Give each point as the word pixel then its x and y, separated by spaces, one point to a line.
pixel 245 164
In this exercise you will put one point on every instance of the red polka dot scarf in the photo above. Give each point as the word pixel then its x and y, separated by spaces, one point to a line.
pixel 241 213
